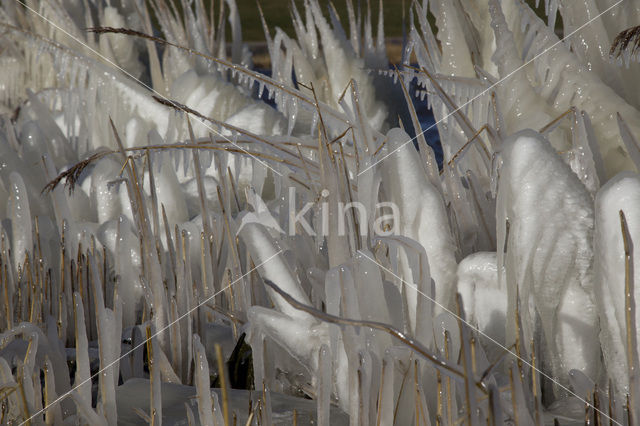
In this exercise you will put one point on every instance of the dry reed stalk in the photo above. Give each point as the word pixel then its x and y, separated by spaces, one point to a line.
pixel 626 42
pixel 223 384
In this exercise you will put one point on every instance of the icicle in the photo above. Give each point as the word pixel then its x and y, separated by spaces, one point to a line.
pixel 551 8
pixel 82 380
pixel 325 374
pixel 283 103
pixel 262 247
pixel 201 378
pixel 385 401
pixel 20 214
pixel 291 118
pixel 85 412
pixel 25 372
pixel 107 334
pixel 53 415
pixel 630 142
pixel 217 411
pixel 251 82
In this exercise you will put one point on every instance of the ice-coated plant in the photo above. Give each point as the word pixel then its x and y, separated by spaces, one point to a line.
pixel 187 240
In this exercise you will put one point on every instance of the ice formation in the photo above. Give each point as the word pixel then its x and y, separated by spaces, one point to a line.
pixel 174 249
pixel 549 254
pixel 484 295
pixel 620 194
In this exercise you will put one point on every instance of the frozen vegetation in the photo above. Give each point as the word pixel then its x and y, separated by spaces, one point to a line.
pixel 175 247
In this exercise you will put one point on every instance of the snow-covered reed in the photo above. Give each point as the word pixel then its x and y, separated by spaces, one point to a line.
pixel 176 250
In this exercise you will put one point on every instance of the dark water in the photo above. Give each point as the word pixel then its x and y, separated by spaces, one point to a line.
pixel 425 115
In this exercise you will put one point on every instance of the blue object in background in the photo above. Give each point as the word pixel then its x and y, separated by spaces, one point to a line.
pixel 425 115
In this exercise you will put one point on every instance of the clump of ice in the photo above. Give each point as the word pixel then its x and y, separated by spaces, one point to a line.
pixel 484 295
pixel 545 230
pixel 620 194
pixel 422 214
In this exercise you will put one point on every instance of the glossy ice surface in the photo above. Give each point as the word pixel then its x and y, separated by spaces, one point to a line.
pixel 298 228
